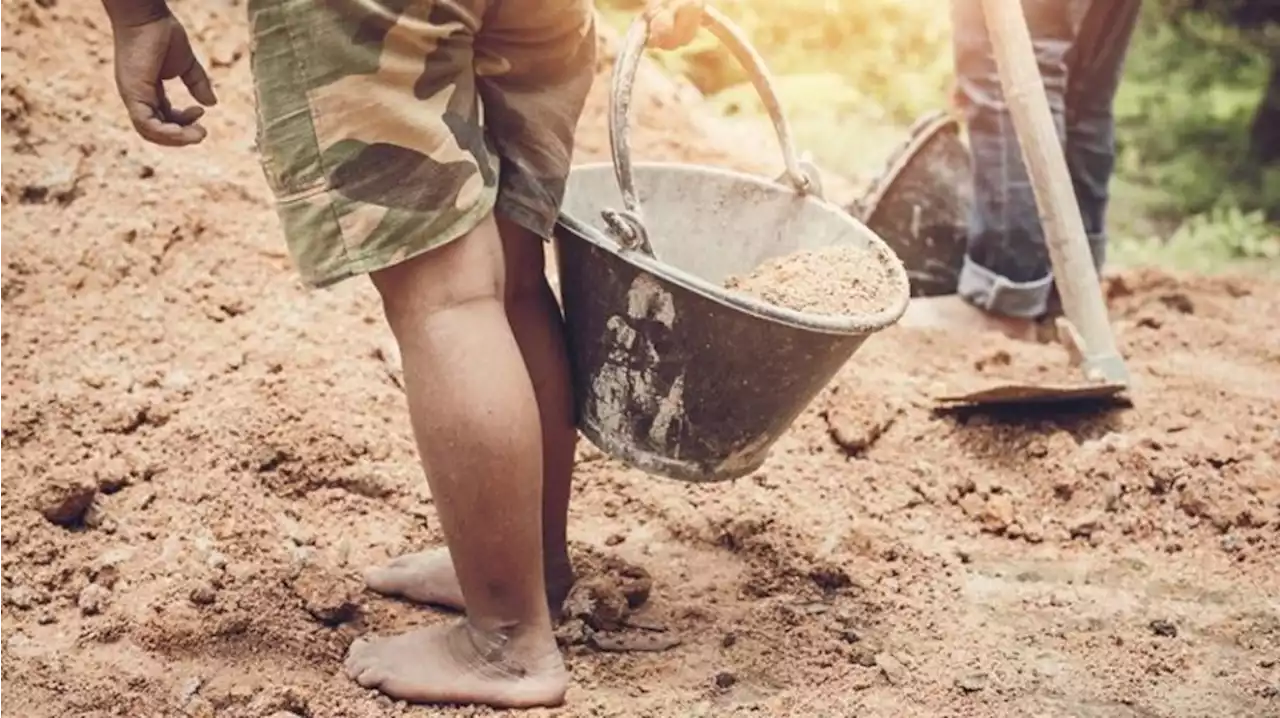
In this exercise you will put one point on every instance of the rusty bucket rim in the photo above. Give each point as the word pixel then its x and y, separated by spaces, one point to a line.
pixel 922 132
pixel 840 324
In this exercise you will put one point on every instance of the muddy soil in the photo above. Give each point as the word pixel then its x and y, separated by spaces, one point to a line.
pixel 199 457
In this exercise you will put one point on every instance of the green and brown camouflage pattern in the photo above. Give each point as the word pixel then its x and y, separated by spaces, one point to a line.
pixel 389 127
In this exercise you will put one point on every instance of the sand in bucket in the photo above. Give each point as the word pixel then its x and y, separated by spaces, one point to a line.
pixel 842 280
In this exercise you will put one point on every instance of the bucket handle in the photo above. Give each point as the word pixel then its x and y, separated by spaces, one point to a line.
pixel 628 224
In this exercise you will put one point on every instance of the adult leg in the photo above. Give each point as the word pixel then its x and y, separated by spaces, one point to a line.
pixel 1006 279
pixel 1097 64
pixel 535 70
pixel 536 322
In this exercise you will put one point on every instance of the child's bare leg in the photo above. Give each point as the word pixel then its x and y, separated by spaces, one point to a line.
pixel 428 576
pixel 475 418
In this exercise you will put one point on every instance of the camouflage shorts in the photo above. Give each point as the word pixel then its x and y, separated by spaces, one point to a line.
pixel 389 127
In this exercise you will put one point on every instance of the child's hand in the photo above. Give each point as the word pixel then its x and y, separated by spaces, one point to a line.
pixel 673 23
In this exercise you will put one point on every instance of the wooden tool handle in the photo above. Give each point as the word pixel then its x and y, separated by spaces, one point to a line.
pixel 1068 245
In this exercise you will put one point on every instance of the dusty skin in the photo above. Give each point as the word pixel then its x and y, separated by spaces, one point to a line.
pixel 427 577
pixel 201 461
pixel 445 664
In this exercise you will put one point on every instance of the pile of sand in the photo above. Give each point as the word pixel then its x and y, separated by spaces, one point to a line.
pixel 843 280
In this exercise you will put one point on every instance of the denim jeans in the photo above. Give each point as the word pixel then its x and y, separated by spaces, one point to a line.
pixel 1080 48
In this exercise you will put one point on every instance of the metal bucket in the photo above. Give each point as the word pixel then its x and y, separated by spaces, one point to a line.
pixel 920 204
pixel 672 373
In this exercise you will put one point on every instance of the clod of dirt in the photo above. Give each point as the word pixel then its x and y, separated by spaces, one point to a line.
pixel 65 499
pixel 740 532
pixel 1033 533
pixel 112 476
pixel 24 597
pixel 865 652
pixel 105 570
pixel 857 422
pixel 1163 628
pixel 1085 526
pixel 607 591
pixel 863 679
pixel 327 596
pixel 972 682
pixel 1179 302
pixel 632 582
pixel 203 594
pixel 830 577
pixel 198 707
pixel 843 280
pixel 93 599
pixel 597 602
pixel 636 584
pixel 281 702
pixel 997 514
pixel 106 576
pixel 189 688
pixel 572 632
pixel 892 668
pixel 60 185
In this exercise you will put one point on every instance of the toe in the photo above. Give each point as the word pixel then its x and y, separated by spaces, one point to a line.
pixel 385 579
pixel 359 658
pixel 370 677
pixel 401 576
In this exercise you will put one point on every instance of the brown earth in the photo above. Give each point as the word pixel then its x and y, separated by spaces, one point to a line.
pixel 199 457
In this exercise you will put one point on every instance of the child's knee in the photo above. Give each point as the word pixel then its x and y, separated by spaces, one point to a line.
pixel 466 270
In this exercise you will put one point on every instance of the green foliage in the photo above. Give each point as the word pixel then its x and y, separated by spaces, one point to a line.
pixel 1223 238
pixel 1183 114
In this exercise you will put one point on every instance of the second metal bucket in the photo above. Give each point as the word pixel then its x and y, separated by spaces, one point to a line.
pixel 920 204
pixel 673 374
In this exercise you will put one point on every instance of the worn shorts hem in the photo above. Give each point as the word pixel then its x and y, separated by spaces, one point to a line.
pixel 354 264
pixel 527 216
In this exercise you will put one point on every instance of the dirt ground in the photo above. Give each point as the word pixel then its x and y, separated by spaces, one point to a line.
pixel 199 457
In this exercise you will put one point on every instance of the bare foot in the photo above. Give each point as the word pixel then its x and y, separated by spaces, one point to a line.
pixel 453 663
pixel 953 313
pixel 428 577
